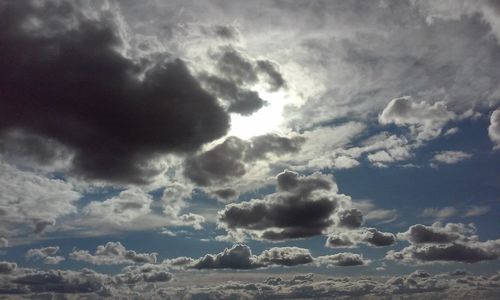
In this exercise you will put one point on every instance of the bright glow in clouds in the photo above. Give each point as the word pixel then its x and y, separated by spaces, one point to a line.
pixel 267 119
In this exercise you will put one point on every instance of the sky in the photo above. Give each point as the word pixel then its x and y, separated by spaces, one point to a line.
pixel 277 149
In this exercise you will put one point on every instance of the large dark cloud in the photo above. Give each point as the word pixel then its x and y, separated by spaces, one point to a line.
pixel 303 206
pixel 63 77
pixel 228 159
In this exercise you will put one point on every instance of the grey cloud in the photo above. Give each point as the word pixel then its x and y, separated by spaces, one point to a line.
pixel 217 164
pixel 455 252
pixel 111 254
pixel 237 257
pixel 165 112
pixel 440 213
pixel 368 236
pixel 4 242
pixel 451 157
pixel 7 267
pixel 343 259
pixel 41 225
pixel 350 218
pixel 453 242
pixel 42 252
pixel 30 203
pixel 238 100
pixel 428 119
pixel 240 256
pixel 53 260
pixel 236 66
pixel 437 233
pixel 47 254
pixel 286 256
pixel 276 80
pixel 302 206
pixel 225 194
pixel 143 273
pixel 228 159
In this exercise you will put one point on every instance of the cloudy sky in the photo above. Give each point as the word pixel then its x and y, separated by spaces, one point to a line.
pixel 250 149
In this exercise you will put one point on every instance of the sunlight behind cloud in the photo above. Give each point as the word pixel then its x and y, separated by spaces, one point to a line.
pixel 267 119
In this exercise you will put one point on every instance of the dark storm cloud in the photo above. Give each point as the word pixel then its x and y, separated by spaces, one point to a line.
pixel 63 78
pixel 302 207
pixel 227 160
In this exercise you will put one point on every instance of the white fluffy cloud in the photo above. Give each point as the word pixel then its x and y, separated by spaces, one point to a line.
pixel 113 253
pixel 451 157
pixel 494 128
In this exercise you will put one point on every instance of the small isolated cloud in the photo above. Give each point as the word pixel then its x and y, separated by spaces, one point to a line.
pixel 424 120
pixel 494 128
pixel 476 210
pixel 440 212
pixel 368 236
pixel 113 253
pixel 240 257
pixel 47 254
pixel 4 242
pixel 343 259
pixel 373 214
pixel 450 157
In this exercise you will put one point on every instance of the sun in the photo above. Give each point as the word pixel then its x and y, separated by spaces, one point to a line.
pixel 268 119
